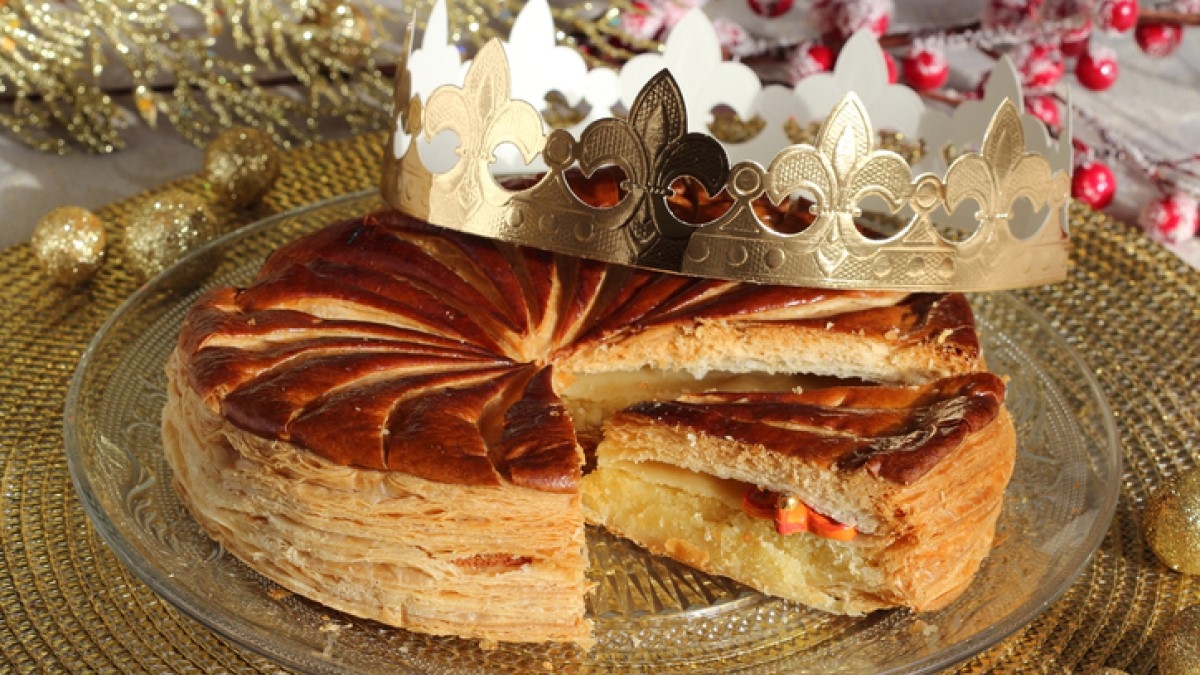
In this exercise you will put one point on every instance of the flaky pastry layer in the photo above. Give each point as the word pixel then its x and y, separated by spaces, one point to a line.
pixel 496 563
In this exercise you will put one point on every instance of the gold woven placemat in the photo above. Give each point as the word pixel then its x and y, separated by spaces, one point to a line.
pixel 1130 308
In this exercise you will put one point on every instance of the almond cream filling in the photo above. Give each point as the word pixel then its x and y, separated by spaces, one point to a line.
pixel 698 520
pixel 594 397
pixel 729 491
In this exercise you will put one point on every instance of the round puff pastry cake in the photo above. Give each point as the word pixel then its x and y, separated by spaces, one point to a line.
pixel 388 420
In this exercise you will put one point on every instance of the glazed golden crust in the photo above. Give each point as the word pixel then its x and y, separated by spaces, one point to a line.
pixel 896 433
pixel 384 343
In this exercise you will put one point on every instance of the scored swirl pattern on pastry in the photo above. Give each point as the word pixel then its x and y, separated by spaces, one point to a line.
pixel 386 343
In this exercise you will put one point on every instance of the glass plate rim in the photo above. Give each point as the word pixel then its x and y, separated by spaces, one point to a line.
pixel 161 584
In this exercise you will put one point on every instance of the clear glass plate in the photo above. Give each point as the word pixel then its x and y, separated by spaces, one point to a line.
pixel 649 613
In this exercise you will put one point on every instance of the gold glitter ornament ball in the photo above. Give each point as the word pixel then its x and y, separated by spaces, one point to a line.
pixel 1179 647
pixel 241 164
pixel 1171 522
pixel 165 228
pixel 69 243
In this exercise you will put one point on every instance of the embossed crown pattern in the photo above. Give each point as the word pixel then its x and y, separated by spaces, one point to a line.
pixel 654 148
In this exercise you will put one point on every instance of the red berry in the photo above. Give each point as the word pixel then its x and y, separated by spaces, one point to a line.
pixel 1117 15
pixel 1093 184
pixel 891 66
pixel 839 19
pixel 770 8
pixel 643 20
pixel 1097 68
pixel 879 24
pixel 1009 13
pixel 821 56
pixel 925 68
pixel 1075 41
pixel 810 58
pixel 1045 108
pixel 1172 218
pixel 1041 65
pixel 1158 39
pixel 981 86
pixel 731 35
pixel 1082 150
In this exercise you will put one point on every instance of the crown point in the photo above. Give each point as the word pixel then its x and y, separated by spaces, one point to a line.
pixel 635 218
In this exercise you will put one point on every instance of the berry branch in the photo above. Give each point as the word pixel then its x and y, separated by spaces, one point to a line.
pixel 1047 41
pixel 1151 16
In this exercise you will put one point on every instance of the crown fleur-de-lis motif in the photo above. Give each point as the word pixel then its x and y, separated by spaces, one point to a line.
pixel 654 149
pixel 484 116
pixel 842 169
pixel 997 177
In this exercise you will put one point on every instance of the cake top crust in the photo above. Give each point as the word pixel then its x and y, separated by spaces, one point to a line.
pixel 386 343
pixel 895 433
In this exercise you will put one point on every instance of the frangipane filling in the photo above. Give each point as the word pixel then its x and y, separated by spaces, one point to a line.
pixel 593 398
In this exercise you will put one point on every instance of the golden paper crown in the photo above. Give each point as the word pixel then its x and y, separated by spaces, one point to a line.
pixel 653 148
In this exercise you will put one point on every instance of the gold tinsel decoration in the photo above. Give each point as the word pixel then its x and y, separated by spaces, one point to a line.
pixel 164 229
pixel 344 24
pixel 69 243
pixel 1179 648
pixel 241 165
pixel 292 64
pixel 1171 522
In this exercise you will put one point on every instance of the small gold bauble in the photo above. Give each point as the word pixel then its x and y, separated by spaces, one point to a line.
pixel 241 164
pixel 69 243
pixel 165 228
pixel 1171 522
pixel 1179 648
